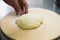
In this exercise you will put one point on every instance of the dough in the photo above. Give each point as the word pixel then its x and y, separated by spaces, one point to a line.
pixel 29 21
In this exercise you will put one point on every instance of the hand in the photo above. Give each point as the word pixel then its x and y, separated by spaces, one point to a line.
pixel 20 6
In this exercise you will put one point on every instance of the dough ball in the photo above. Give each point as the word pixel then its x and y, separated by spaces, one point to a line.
pixel 29 21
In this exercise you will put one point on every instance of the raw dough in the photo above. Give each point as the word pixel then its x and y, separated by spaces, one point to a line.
pixel 29 21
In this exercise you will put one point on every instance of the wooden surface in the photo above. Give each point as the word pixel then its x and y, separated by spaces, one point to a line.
pixel 47 31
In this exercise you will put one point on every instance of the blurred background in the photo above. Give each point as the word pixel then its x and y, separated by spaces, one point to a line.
pixel 53 5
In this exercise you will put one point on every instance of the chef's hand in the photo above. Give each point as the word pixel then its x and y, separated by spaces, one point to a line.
pixel 20 6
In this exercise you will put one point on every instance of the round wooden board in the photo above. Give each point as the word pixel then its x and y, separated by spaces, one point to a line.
pixel 47 31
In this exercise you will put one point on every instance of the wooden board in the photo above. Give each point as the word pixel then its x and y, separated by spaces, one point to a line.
pixel 47 31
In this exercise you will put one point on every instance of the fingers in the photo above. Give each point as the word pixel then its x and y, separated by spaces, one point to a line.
pixel 20 6
pixel 24 6
pixel 15 5
pixel 19 13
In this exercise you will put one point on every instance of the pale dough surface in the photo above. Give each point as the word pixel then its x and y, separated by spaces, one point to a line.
pixel 47 31
pixel 29 21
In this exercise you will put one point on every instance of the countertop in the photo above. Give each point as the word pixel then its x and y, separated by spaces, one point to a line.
pixel 46 4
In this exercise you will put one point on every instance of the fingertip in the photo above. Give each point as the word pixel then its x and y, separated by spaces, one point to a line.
pixel 20 13
pixel 17 13
pixel 26 9
pixel 26 12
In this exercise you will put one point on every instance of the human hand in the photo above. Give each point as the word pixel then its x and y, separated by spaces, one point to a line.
pixel 20 6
